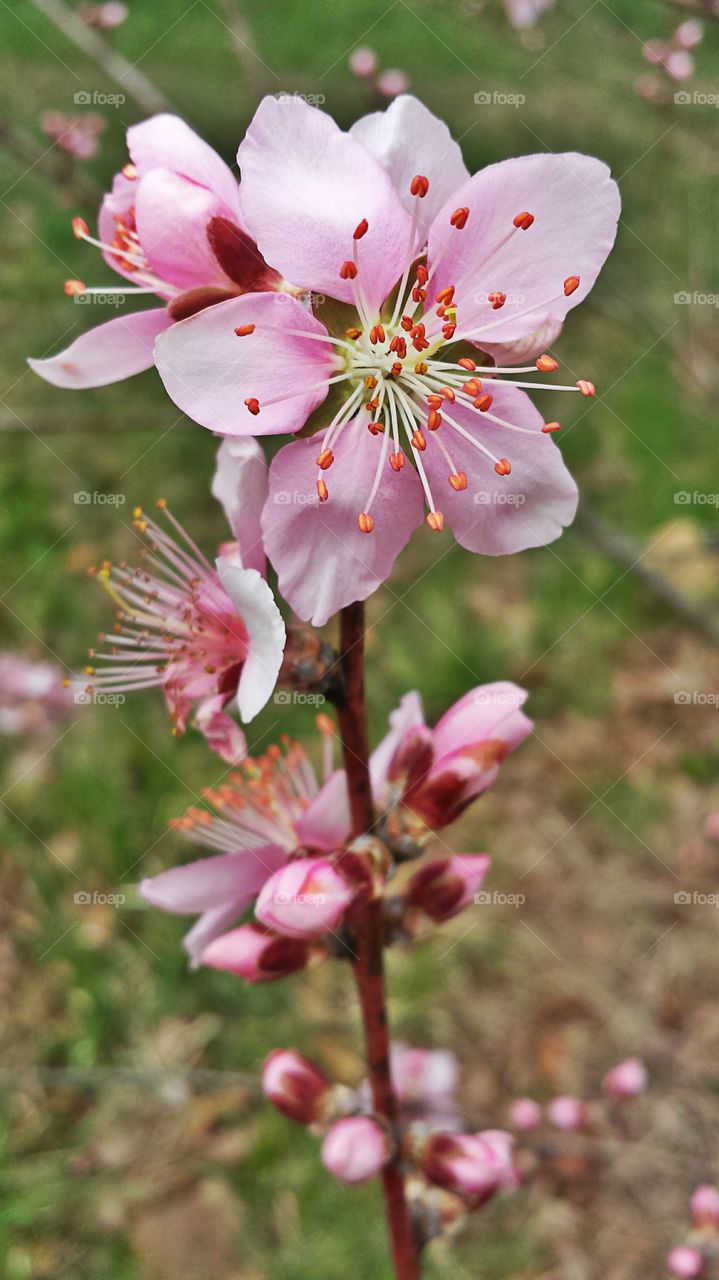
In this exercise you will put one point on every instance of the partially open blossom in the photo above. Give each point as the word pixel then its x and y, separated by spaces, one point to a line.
pixel 355 1149
pixel 627 1080
pixel 472 1165
pixel 442 889
pixel 306 898
pixel 685 1261
pixel 437 772
pixel 567 1113
pixel 295 1085
pixel 525 1114
pixel 411 416
pixel 207 635
pixel 33 695
pixel 172 227
pixel 704 1205
pixel 263 814
pixel 253 952
pixel 77 135
pixel 363 62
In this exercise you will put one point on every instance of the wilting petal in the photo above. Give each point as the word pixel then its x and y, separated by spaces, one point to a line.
pixel 407 716
pixel 110 352
pixel 326 823
pixel 212 882
pixel 407 139
pixel 223 734
pixel 262 619
pixel 241 485
pixel 575 205
pixel 172 215
pixel 209 371
pixel 166 142
pixel 322 560
pixel 496 515
pixel 306 186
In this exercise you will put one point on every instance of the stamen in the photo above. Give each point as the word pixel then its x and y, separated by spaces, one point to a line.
pixel 570 284
pixel 586 388
pixel 435 520
pixel 459 218
pixel 523 220
pixel 419 186
pixel 547 364
pixel 496 300
pixel 322 491
pixel 502 467
pixel 253 405
pixel 72 288
pixel 361 229
pixel 551 426
pixel 365 522
pixel 244 330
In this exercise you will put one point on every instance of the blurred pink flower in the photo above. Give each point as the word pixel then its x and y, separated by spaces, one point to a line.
pixel 472 1165
pixel 525 1114
pixel 705 1206
pixel 33 695
pixel 627 1080
pixel 76 134
pixel 172 226
pixel 295 1085
pixel 392 82
pixel 686 1262
pixel 256 954
pixel 355 1149
pixel 688 34
pixel 567 1113
pixel 348 216
pixel 206 635
pixel 363 62
pixel 108 16
pixel 524 14
pixel 444 888
pixel 424 1080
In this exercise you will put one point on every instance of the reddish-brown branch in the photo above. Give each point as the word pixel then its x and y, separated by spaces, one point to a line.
pixel 368 965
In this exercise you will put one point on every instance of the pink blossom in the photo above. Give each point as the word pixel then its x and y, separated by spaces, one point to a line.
pixel 686 1262
pixel 108 16
pixel 173 228
pixel 295 1085
pixel 392 82
pixel 263 814
pixel 76 134
pixel 355 1149
pixel 424 1080
pixel 627 1080
pixel 525 1114
pixel 363 62
pixel 207 635
pixel 254 953
pixel 472 1165
pixel 306 898
pixel 442 889
pixel 33 695
pixel 705 1206
pixel 567 1113
pixel 679 64
pixel 438 772
pixel 489 259
pixel 524 14
pixel 688 34
pixel 711 826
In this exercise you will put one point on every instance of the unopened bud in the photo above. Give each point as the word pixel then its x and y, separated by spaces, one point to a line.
pixel 356 1149
pixel 295 1085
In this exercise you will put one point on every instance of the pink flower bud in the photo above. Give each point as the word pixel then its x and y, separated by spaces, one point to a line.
pixel 685 1261
pixel 442 889
pixel 363 62
pixel 627 1080
pixel 689 34
pixel 305 898
pixel 705 1206
pixel 392 82
pixel 472 1165
pixel 567 1113
pixel 525 1114
pixel 256 954
pixel 355 1149
pixel 295 1085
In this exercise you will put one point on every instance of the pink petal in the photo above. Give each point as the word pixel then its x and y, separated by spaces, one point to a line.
pixel 306 186
pixel 575 204
pixel 322 560
pixel 488 713
pixel 166 142
pixel 171 215
pixel 223 734
pixel 407 716
pixel 407 139
pixel 209 371
pixel 210 882
pixel 241 485
pixel 326 823
pixel 266 635
pixel 211 924
pixel 497 515
pixel 109 353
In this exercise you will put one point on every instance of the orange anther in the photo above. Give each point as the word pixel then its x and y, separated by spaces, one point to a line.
pixel 422 274
pixel 376 333
pixel 483 403
pixel 129 171
pixel 396 369
pixel 365 522
pixel 396 461
pixel 447 393
pixel 370 383
pixel 244 330
pixel 466 363
pixel 458 481
pixel 434 420
pixel 73 287
pixel 570 284
pixel 523 220
pixel 435 520
pixel 502 467
pixel 419 295
pixel 421 367
pixel 80 228
pixel 418 441
pixel 325 459
pixel 496 299
pixel 472 387
pixel 445 295
pixel 375 428
pixel 434 401
pixel 448 331
pixel 547 364
pixel 361 229
pixel 253 405
pixel 406 323
pixel 348 271
pixel 586 388
pixel 459 218
pixel 354 334
pixel 551 426
pixel 322 492
pixel 419 186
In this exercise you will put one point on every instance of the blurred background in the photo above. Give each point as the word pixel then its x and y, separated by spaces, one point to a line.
pixel 134 1142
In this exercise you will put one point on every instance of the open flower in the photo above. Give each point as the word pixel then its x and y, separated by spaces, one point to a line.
pixel 433 268
pixel 172 227
pixel 206 635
